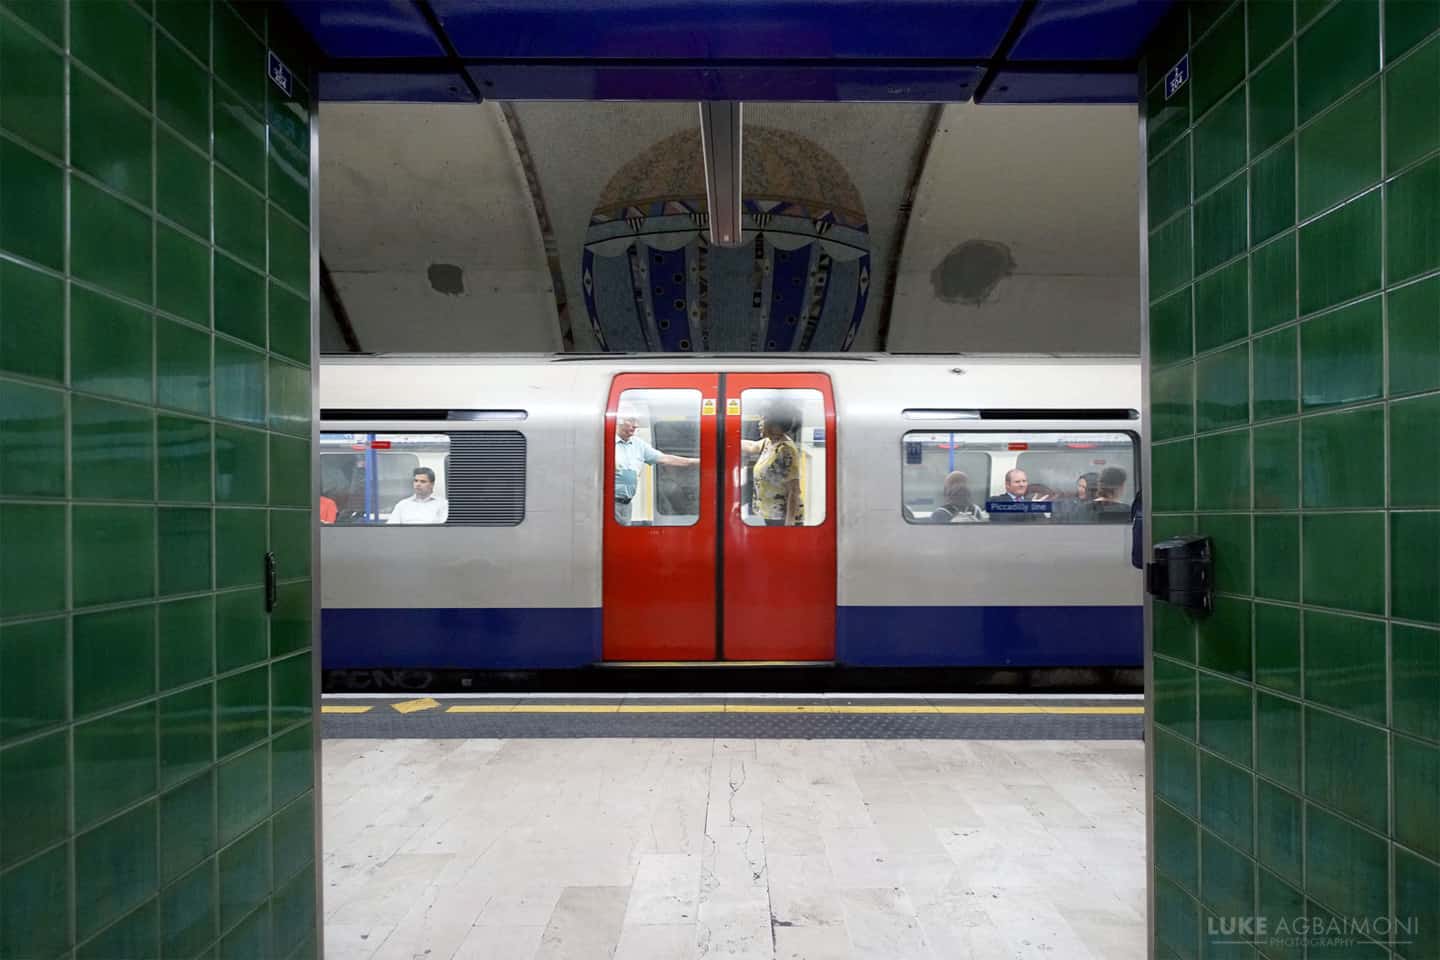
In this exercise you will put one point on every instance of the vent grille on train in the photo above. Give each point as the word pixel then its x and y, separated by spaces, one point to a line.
pixel 485 478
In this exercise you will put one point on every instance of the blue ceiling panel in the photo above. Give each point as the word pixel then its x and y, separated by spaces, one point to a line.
pixel 783 83
pixel 1020 86
pixel 725 29
pixel 395 87
pixel 367 28
pixel 1087 29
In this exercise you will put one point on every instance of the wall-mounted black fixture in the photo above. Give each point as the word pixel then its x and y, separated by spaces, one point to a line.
pixel 272 585
pixel 1183 573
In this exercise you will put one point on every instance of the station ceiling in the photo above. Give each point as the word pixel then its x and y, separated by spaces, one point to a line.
pixel 986 51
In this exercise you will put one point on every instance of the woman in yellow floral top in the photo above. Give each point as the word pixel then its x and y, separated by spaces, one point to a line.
pixel 775 486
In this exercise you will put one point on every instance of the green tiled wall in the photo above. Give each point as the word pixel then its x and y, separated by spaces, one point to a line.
pixel 1293 203
pixel 156 736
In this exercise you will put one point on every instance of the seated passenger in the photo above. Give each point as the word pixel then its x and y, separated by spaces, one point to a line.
pixel 959 506
pixel 775 485
pixel 1108 503
pixel 1017 490
pixel 422 506
pixel 1086 485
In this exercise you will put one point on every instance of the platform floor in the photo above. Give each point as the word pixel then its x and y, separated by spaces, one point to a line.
pixel 657 848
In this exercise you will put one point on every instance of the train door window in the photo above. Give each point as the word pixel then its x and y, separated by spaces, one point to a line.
pixel 369 478
pixel 657 458
pixel 1053 477
pixel 782 442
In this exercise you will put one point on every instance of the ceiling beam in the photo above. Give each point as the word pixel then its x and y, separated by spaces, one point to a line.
pixel 720 138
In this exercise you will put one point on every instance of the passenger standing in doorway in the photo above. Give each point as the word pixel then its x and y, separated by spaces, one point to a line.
pixel 775 490
pixel 631 456
pixel 422 506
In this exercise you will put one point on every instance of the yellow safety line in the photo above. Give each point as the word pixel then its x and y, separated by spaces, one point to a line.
pixel 1091 711
pixel 779 708
pixel 415 706
pixel 672 708
pixel 332 708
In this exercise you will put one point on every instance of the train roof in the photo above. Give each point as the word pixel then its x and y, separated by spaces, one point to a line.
pixel 710 359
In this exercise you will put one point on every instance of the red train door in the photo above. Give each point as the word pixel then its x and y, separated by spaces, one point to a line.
pixel 659 564
pixel 698 563
pixel 779 576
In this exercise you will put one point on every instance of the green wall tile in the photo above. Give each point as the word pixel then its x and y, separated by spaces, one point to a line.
pixel 1171 334
pixel 32 338
pixel 1345 767
pixel 1177 921
pixel 182 92
pixel 1279 833
pixel 289 472
pixel 182 367
pixel 239 58
pixel 290 691
pixel 1276 379
pixel 1343 356
pixel 1340 254
pixel 1415 566
pixel 1412 107
pixel 1270 23
pixel 1168 184
pixel 185 547
pixel 289 253
pixel 187 640
pixel 1335 450
pixel 1412 234
pixel 240 542
pixel 244 875
pixel 115 868
pixel 109 241
pixel 1220 143
pixel 1278 900
pixel 187 731
pixel 1277 558
pixel 187 22
pixel 1417 895
pixel 1224 638
pixel 1278 750
pixel 1277 466
pixel 34 907
pixel 1345 663
pixel 1272 189
pixel 115 762
pixel 111 347
pixel 137 935
pixel 289 184
pixel 239 300
pixel 1340 152
pixel 113 39
pixel 239 629
pixel 1345 865
pixel 112 450
pixel 34 782
pixel 1225 717
pixel 1357 948
pixel 239 139
pixel 32 98
pixel 1277 647
pixel 290 626
pixel 244 788
pixel 290 324
pixel 1166 119
pixel 292 766
pixel 293 839
pixel 109 138
pixel 1227 879
pixel 241 465
pixel 182 275
pixel 187 826
pixel 1220 226
pixel 1343 561
pixel 1228 809
pixel 242 710
pixel 1175 697
pixel 1272 95
pixel 290 542
pixel 290 399
pixel 239 220
pixel 33 559
pixel 250 937
pixel 1169 258
pixel 113 551
pixel 1175 772
pixel 1177 847
pixel 1222 306
pixel 1417 795
pixel 1415 670
pixel 188 913
pixel 1414 318
pixel 182 183
pixel 184 454
pixel 1174 629
pixel 33 691
pixel 1230 537
pixel 1415 453
pixel 1222 468
pixel 114 658
pixel 32 441
pixel 1219 61
pixel 1222 389
pixel 239 383
pixel 1172 403
pixel 1337 54
pixel 32 206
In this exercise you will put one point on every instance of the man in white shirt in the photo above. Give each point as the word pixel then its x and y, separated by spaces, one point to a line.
pixel 631 455
pixel 422 506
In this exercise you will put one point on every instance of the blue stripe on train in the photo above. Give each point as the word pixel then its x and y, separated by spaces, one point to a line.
pixel 487 638
pixel 989 636
pixel 554 637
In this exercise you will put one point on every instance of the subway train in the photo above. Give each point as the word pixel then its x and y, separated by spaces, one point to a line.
pixel 531 513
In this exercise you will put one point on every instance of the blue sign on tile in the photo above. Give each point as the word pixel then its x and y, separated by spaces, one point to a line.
pixel 1176 76
pixel 281 75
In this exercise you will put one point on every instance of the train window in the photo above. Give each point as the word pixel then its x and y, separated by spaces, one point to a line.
pixel 970 477
pixel 657 458
pixel 783 463
pixel 458 479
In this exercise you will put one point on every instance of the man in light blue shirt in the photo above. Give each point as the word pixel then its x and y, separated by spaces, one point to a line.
pixel 631 456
